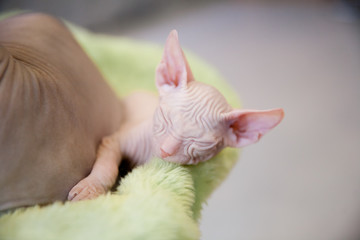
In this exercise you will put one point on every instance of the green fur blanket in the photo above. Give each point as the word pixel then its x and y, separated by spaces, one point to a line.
pixel 158 200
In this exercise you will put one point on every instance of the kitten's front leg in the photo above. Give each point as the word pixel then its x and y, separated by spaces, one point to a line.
pixel 88 188
pixel 104 172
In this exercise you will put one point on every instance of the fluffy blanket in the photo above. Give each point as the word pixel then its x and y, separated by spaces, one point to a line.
pixel 158 200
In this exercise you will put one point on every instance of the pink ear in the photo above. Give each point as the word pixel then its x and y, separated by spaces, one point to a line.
pixel 173 69
pixel 248 126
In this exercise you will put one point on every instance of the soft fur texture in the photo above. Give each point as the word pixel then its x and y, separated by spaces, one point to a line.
pixel 158 200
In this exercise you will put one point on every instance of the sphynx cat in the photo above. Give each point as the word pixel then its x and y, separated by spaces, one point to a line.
pixel 190 122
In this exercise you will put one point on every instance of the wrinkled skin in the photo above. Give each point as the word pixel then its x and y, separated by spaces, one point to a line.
pixel 52 114
pixel 191 123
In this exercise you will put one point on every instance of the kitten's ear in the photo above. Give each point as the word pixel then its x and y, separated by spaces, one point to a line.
pixel 248 126
pixel 173 69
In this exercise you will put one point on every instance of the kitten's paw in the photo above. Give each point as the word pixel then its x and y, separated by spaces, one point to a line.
pixel 88 188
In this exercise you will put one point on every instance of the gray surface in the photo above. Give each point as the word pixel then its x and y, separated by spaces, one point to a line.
pixel 302 181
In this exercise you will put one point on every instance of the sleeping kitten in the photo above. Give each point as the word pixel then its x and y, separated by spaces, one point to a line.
pixel 189 123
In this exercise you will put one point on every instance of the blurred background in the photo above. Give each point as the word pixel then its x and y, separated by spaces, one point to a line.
pixel 302 180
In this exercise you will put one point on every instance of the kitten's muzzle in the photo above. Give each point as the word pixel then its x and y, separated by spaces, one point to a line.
pixel 164 154
pixel 169 147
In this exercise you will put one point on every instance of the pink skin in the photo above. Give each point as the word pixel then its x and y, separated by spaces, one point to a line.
pixel 191 123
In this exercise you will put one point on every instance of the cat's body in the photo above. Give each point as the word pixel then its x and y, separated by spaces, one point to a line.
pixel 190 122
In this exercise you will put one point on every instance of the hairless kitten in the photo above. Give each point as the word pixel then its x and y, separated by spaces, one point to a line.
pixel 189 123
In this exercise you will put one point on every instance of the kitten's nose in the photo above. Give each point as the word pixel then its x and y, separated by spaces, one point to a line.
pixel 164 154
pixel 169 147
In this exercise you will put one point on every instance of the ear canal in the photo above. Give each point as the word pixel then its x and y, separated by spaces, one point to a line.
pixel 248 126
pixel 173 69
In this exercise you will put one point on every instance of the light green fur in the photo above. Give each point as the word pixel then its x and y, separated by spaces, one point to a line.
pixel 158 200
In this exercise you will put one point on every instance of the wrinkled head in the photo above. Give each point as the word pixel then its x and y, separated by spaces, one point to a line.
pixel 193 121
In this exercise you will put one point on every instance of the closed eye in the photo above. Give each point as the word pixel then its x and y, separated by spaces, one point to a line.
pixel 159 128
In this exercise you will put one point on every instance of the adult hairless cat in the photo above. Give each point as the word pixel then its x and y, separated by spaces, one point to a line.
pixel 52 114
pixel 189 123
